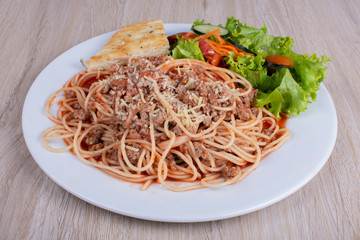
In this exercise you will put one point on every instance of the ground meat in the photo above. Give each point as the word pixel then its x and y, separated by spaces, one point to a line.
pixel 228 116
pixel 143 84
pixel 116 69
pixel 202 89
pixel 206 109
pixel 171 157
pixel 242 143
pixel 229 102
pixel 181 90
pixel 267 132
pixel 163 138
pixel 106 89
pixel 140 122
pixel 216 115
pixel 200 151
pixel 199 72
pixel 229 172
pixel 92 106
pixel 116 121
pixel 142 128
pixel 173 74
pixel 172 163
pixel 128 98
pixel 185 96
pixel 94 136
pixel 144 116
pixel 212 98
pixel 242 112
pixel 96 147
pixel 112 154
pixel 130 116
pixel 79 114
pixel 150 62
pixel 248 99
pixel 118 84
pixel 188 99
pixel 159 118
pixel 253 95
pixel 255 111
pixel 168 86
pixel 132 134
pixel 177 131
pixel 196 73
pixel 134 155
pixel 76 106
pixel 207 121
pixel 70 94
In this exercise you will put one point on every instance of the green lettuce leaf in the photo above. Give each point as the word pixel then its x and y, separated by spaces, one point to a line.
pixel 199 22
pixel 280 46
pixel 310 72
pixel 252 38
pixel 293 98
pixel 296 85
pixel 272 101
pixel 187 49
pixel 248 66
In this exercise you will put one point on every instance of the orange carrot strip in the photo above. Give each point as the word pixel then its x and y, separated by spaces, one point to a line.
pixel 215 44
pixel 212 46
pixel 221 41
pixel 189 35
pixel 280 60
pixel 230 48
pixel 215 32
pixel 241 54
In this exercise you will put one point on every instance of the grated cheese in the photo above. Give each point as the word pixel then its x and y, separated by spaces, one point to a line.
pixel 141 95
pixel 123 103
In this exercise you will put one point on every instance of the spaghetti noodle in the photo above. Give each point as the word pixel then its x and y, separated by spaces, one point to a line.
pixel 164 120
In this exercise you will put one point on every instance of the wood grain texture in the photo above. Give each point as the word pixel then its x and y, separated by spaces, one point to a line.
pixel 33 33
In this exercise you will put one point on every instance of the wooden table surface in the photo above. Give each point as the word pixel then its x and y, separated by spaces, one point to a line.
pixel 33 33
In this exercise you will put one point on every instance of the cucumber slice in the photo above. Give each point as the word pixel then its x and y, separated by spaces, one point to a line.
pixel 205 28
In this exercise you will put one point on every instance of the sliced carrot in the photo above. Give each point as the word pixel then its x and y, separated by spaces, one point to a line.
pixel 212 46
pixel 189 35
pixel 220 48
pixel 230 48
pixel 220 39
pixel 241 54
pixel 209 34
pixel 279 60
pixel 216 46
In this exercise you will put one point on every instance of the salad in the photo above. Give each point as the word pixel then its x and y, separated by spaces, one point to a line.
pixel 286 81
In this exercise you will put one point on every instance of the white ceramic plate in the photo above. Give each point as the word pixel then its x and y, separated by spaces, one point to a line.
pixel 313 135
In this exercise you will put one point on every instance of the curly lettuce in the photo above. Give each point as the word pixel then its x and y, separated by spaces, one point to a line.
pixel 187 49
pixel 288 90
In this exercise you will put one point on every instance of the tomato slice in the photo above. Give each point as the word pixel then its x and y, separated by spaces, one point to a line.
pixel 216 59
pixel 209 54
pixel 172 39
pixel 206 49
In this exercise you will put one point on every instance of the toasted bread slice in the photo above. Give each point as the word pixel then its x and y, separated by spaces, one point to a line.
pixel 144 39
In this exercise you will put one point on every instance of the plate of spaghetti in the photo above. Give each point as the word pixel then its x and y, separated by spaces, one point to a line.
pixel 165 139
